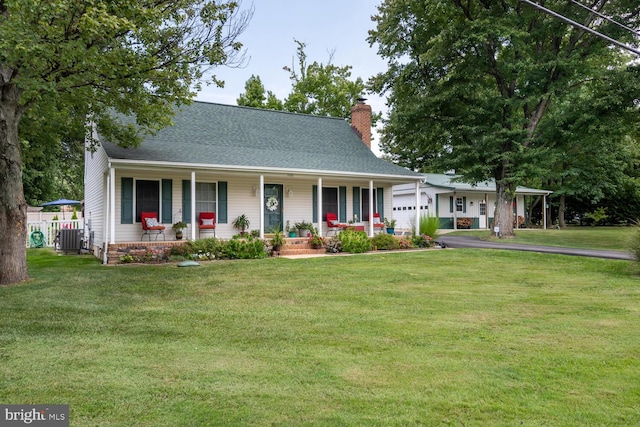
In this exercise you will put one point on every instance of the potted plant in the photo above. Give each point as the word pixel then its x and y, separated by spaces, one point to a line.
pixel 316 242
pixel 390 224
pixel 304 228
pixel 277 241
pixel 291 231
pixel 178 227
pixel 241 223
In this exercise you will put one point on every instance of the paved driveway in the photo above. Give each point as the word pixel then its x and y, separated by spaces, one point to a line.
pixel 475 242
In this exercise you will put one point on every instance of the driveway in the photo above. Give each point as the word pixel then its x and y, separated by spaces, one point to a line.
pixel 475 242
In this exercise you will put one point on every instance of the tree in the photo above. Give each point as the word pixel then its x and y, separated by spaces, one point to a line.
pixel 318 89
pixel 321 89
pixel 135 57
pixel 254 96
pixel 52 145
pixel 471 82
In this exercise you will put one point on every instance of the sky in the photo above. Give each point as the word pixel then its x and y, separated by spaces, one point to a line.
pixel 340 26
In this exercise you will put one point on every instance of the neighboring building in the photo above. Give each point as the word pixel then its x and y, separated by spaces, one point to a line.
pixel 455 203
pixel 272 166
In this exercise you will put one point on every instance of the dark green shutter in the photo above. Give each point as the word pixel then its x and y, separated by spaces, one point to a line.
pixel 464 205
pixel 222 203
pixel 451 204
pixel 186 201
pixel 314 203
pixel 380 202
pixel 356 202
pixel 342 202
pixel 126 203
pixel 167 201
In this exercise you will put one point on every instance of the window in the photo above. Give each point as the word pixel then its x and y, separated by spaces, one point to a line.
pixel 329 201
pixel 483 208
pixel 205 197
pixel 459 204
pixel 147 197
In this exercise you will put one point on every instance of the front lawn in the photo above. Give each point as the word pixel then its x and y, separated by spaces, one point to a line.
pixel 442 337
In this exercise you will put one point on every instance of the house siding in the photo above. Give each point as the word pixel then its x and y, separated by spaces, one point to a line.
pixel 95 169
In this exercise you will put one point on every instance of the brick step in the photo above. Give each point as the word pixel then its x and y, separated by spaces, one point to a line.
pixel 301 251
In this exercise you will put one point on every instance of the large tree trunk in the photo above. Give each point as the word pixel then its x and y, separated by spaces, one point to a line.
pixel 13 207
pixel 561 210
pixel 503 215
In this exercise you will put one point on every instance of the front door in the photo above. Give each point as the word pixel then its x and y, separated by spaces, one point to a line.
pixel 272 207
pixel 482 223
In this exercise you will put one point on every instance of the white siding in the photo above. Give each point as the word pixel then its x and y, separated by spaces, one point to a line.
pixel 95 169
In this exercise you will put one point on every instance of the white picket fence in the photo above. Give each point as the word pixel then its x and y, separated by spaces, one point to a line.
pixel 49 229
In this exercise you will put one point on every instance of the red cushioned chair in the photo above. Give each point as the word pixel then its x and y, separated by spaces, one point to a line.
pixel 207 221
pixel 151 225
pixel 377 223
pixel 333 224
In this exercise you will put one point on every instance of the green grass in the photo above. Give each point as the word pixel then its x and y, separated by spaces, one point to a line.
pixel 441 337
pixel 608 238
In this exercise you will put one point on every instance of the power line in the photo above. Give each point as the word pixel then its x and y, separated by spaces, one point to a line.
pixel 606 17
pixel 583 27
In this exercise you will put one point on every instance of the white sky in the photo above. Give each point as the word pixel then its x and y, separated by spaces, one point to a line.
pixel 329 25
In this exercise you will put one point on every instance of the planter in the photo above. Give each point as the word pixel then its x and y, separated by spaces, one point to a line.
pixel 303 232
pixel 391 230
pixel 178 236
pixel 293 234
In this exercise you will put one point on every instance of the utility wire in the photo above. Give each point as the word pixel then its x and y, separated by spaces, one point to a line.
pixel 606 17
pixel 583 27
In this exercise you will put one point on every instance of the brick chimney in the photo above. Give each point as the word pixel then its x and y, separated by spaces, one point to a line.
pixel 361 121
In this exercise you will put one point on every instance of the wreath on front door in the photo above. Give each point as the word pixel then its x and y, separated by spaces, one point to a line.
pixel 272 203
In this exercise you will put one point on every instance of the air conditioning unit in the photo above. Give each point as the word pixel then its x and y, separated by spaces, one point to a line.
pixel 71 240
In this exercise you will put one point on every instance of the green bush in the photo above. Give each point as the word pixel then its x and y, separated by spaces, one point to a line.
pixel 354 242
pixel 428 225
pixel 244 248
pixel 384 241
pixel 422 241
pixel 238 247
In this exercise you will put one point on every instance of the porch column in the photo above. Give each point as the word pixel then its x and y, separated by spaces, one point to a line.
pixel 455 211
pixel 371 208
pixel 112 206
pixel 261 201
pixel 319 207
pixel 194 220
pixel 544 211
pixel 418 200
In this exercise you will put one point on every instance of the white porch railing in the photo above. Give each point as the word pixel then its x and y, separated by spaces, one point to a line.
pixel 49 229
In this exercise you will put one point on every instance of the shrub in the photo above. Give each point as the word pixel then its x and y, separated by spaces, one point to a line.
pixel 244 248
pixel 405 243
pixel 422 241
pixel 428 225
pixel 384 241
pixel 597 216
pixel 333 244
pixel 354 241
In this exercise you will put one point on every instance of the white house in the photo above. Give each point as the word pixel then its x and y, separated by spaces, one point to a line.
pixel 274 167
pixel 455 203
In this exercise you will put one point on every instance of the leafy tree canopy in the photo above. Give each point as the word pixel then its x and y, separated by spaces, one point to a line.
pixel 134 57
pixel 318 89
pixel 470 83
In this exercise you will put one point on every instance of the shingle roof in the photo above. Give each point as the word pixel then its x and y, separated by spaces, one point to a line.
pixel 225 135
pixel 450 182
